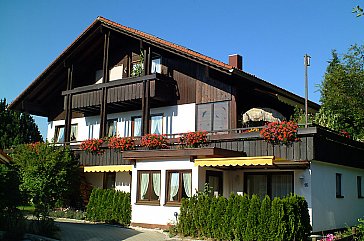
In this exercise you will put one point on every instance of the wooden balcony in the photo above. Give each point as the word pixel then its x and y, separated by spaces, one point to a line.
pixel 122 94
pixel 316 143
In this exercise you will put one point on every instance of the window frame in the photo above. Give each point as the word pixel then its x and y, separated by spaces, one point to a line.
pixel 150 122
pixel 114 121
pixel 133 125
pixel 212 115
pixel 269 180
pixel 149 201
pixel 56 134
pixel 359 186
pixel 180 186
pixel 154 57
pixel 339 181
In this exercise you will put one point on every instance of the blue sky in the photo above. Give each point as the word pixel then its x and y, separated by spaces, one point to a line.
pixel 272 36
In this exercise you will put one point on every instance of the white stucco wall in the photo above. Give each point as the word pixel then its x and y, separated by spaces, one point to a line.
pixel 176 119
pixel 161 214
pixel 123 181
pixel 330 212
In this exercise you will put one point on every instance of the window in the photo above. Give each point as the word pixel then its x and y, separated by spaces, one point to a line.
pixel 213 116
pixel 59 134
pixel 156 65
pixel 111 127
pixel 271 184
pixel 156 124
pixel 338 185
pixel 73 134
pixel 359 186
pixel 136 126
pixel 215 182
pixel 109 180
pixel 179 185
pixel 149 186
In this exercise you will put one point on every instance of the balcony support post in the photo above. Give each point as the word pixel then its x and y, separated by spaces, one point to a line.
pixel 68 114
pixel 146 93
pixel 105 79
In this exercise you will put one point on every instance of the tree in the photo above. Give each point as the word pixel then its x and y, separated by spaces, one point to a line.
pixel 49 175
pixel 16 128
pixel 342 95
pixel 358 11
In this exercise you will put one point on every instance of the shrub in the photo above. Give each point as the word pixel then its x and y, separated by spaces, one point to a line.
pixel 92 146
pixel 154 141
pixel 241 218
pixel 107 205
pixel 121 143
pixel 194 139
pixel 280 133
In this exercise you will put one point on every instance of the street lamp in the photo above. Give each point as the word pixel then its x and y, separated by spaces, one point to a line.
pixel 306 63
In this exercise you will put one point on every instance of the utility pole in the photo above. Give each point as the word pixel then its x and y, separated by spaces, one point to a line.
pixel 306 63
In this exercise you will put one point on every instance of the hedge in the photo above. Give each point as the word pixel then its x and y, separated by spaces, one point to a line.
pixel 107 205
pixel 244 218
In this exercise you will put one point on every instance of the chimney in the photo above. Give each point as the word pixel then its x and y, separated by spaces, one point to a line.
pixel 236 61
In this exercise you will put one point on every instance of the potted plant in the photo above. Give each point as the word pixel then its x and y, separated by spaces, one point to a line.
pixel 194 139
pixel 280 133
pixel 92 146
pixel 121 143
pixel 154 141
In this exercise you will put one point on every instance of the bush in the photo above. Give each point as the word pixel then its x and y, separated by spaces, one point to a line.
pixel 107 205
pixel 68 213
pixel 243 218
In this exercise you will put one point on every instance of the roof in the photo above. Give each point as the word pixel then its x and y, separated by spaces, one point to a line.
pixel 175 48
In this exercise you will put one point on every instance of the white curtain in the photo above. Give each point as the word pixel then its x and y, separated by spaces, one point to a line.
pixel 60 135
pixel 157 124
pixel 156 66
pixel 187 183
pixel 281 185
pixel 157 184
pixel 144 182
pixel 73 133
pixel 138 126
pixel 173 185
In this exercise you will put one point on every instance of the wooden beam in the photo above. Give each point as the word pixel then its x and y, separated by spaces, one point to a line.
pixel 68 119
pixel 103 108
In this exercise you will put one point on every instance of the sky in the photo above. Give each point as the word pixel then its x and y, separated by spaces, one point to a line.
pixel 272 36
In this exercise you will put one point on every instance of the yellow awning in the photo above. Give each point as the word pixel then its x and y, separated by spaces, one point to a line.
pixel 236 161
pixel 112 168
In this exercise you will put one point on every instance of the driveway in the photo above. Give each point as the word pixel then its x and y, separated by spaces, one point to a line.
pixel 79 231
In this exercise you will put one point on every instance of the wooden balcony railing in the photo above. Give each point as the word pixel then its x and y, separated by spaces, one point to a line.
pixel 316 143
pixel 120 92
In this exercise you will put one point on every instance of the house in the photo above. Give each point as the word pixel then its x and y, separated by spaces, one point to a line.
pixel 115 80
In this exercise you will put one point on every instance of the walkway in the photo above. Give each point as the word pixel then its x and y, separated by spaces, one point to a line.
pixel 78 231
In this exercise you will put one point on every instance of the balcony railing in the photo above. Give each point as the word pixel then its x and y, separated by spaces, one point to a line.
pixel 122 93
pixel 316 143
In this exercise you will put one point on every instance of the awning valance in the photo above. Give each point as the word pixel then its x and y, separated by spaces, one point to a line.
pixel 236 161
pixel 111 168
pixel 257 162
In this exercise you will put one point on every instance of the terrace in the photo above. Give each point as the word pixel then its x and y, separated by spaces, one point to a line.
pixel 316 143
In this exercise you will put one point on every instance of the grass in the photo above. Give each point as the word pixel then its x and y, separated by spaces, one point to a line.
pixel 27 210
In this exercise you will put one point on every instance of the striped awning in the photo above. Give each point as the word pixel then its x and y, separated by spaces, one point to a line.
pixel 111 168
pixel 254 162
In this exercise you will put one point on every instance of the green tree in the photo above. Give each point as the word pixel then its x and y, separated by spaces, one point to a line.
pixel 16 128
pixel 342 95
pixel 49 175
